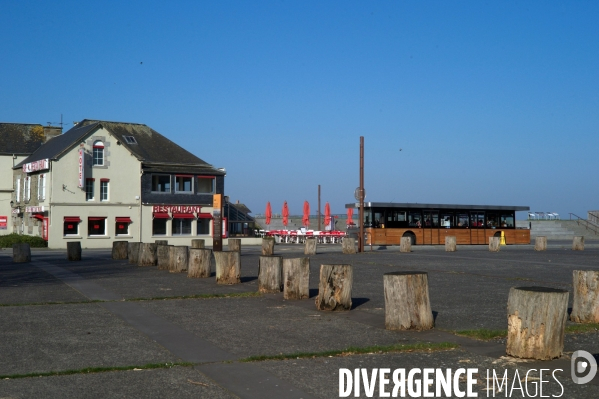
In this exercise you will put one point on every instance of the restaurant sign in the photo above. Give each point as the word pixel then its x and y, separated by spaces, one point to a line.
pixel 42 164
pixel 176 209
pixel 34 209
pixel 3 222
pixel 81 172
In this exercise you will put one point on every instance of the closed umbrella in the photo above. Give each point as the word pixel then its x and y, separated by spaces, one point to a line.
pixel 350 214
pixel 285 214
pixel 327 216
pixel 268 214
pixel 306 217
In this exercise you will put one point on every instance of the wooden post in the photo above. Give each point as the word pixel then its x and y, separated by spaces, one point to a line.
pixel 269 275
pixel 268 246
pixel 536 322
pixel 405 244
pixel 74 250
pixel 133 252
pixel 198 243
pixel 199 262
pixel 161 242
pixel 296 278
pixel 348 245
pixel 450 244
pixel 578 243
pixel 585 308
pixel 178 262
pixel 494 243
pixel 310 246
pixel 407 304
pixel 334 289
pixel 120 250
pixel 163 256
pixel 235 244
pixel 147 255
pixel 21 252
pixel 228 267
pixel 541 243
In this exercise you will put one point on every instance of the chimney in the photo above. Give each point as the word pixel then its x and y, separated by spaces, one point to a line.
pixel 52 131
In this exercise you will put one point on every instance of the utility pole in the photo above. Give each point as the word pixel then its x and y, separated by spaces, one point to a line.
pixel 361 221
pixel 319 208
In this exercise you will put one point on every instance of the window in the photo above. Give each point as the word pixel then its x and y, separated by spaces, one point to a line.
pixel 161 183
pixel 41 187
pixel 98 153
pixel 104 189
pixel 159 224
pixel 96 226
pixel 205 184
pixel 447 220
pixel 130 140
pixel 507 220
pixel 27 189
pixel 477 219
pixel 121 227
pixel 184 183
pixel 492 220
pixel 414 219
pixel 18 191
pixel 431 219
pixel 71 225
pixel 204 220
pixel 462 220
pixel 89 189
pixel 182 224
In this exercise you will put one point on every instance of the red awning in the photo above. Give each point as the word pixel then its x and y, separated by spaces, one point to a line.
pixel 204 216
pixel 96 218
pixel 183 216
pixel 123 220
pixel 161 216
pixel 40 217
pixel 72 219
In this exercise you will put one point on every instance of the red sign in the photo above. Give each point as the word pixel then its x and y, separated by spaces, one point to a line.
pixel 3 222
pixel 81 174
pixel 176 209
pixel 42 164
pixel 45 229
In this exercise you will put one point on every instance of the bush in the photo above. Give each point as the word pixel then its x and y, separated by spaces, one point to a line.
pixel 7 241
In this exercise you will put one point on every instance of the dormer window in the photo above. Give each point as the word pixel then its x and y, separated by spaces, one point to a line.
pixel 98 153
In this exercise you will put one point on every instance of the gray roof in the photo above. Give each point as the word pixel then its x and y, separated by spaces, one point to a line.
pixel 415 205
pixel 151 148
pixel 20 138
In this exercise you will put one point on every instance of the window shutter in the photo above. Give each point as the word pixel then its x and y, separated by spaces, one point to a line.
pixel 28 182
pixel 19 189
pixel 44 176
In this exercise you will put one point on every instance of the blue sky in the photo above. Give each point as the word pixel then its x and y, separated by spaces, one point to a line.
pixel 490 102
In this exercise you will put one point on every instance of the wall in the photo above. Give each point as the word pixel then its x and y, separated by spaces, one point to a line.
pixel 7 189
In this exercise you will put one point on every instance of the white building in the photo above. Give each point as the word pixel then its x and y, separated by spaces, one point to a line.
pixel 104 181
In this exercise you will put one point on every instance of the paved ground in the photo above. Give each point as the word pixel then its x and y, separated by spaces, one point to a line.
pixel 115 319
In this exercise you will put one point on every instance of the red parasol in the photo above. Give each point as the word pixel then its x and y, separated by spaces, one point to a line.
pixel 350 213
pixel 268 214
pixel 327 214
pixel 285 214
pixel 306 217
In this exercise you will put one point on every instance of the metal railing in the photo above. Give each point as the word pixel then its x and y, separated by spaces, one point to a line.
pixel 593 217
pixel 586 223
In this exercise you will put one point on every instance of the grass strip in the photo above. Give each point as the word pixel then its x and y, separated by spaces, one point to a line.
pixel 482 334
pixel 51 303
pixel 356 351
pixel 581 328
pixel 90 370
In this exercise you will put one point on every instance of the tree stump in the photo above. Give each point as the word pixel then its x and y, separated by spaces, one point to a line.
pixel 450 244
pixel 147 255
pixel 178 259
pixel 21 253
pixel 585 308
pixel 235 244
pixel 161 242
pixel 494 243
pixel 163 256
pixel 268 246
pixel 228 267
pixel 578 243
pixel 536 322
pixel 133 252
pixel 405 245
pixel 269 275
pixel 407 304
pixel 334 289
pixel 120 250
pixel 310 246
pixel 348 245
pixel 199 262
pixel 198 243
pixel 74 250
pixel 296 278
pixel 541 243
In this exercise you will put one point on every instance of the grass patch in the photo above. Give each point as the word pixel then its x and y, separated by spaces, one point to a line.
pixel 6 241
pixel 581 328
pixel 90 370
pixel 482 334
pixel 51 303
pixel 356 351
pixel 201 296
